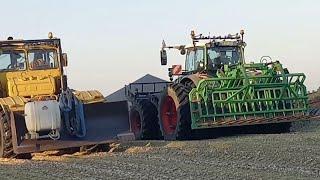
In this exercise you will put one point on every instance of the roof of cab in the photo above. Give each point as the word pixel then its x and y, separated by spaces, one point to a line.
pixel 19 42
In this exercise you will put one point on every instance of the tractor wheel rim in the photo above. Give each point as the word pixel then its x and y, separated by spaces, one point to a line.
pixel 136 123
pixel 169 116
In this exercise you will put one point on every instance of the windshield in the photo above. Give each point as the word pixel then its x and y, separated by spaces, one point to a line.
pixel 42 59
pixel 12 60
pixel 223 55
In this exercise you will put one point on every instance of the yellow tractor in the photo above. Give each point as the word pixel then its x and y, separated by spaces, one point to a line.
pixel 38 111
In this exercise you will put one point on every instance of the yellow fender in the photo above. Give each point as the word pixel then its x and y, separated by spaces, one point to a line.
pixel 89 97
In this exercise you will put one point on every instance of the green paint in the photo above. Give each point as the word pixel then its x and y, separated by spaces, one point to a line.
pixel 248 90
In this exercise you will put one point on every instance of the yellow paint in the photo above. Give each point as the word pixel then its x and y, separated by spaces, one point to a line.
pixel 19 87
pixel 14 103
pixel 30 83
pixel 22 86
pixel 88 97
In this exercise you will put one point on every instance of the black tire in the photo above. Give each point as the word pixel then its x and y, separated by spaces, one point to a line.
pixel 180 97
pixel 6 146
pixel 145 113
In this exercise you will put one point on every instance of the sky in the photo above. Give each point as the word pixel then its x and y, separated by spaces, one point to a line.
pixel 112 43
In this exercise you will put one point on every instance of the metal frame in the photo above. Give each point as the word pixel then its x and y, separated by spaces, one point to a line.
pixel 141 93
pixel 238 95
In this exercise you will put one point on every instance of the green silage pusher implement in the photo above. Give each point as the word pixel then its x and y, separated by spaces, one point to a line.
pixel 248 94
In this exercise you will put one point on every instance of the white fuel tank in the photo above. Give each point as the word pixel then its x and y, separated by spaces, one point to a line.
pixel 42 116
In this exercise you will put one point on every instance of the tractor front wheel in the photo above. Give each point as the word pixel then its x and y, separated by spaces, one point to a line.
pixel 174 112
pixel 6 146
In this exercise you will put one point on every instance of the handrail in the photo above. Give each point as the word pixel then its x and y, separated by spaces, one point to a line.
pixel 140 88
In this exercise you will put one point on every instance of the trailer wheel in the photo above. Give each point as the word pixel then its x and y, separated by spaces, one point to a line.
pixel 144 120
pixel 6 146
pixel 174 112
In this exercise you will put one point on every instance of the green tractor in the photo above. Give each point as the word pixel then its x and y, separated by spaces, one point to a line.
pixel 217 88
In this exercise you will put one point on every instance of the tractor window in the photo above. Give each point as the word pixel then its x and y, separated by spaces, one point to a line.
pixel 190 61
pixel 199 58
pixel 223 55
pixel 194 59
pixel 12 60
pixel 42 59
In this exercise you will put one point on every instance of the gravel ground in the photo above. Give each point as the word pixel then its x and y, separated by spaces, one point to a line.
pixel 293 155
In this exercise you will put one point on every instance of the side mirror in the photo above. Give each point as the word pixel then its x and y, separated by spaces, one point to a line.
pixel 64 60
pixel 163 56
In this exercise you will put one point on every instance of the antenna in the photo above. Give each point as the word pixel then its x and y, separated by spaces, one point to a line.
pixel 242 34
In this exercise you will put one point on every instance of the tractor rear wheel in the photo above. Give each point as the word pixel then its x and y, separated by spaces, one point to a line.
pixel 174 112
pixel 144 120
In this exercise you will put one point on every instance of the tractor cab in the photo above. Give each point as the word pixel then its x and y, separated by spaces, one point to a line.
pixel 210 58
pixel 31 68
pixel 207 55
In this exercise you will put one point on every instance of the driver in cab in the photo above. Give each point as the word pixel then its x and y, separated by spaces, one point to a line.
pixel 215 62
pixel 39 62
pixel 16 61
